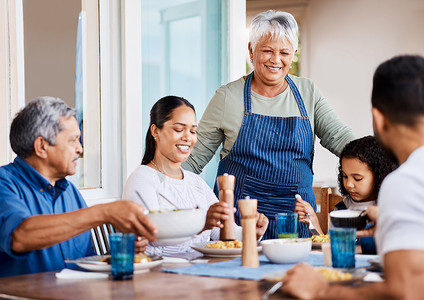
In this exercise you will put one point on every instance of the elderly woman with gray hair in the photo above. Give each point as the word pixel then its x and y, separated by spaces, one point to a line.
pixel 266 123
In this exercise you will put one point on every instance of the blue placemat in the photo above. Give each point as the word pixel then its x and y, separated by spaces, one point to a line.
pixel 233 268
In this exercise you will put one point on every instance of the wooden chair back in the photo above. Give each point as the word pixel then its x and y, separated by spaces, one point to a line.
pixel 326 201
pixel 333 200
pixel 100 238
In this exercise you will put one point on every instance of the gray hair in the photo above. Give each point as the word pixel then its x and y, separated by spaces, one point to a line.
pixel 40 117
pixel 275 23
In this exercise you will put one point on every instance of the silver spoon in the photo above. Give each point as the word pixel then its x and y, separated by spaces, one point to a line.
pixel 146 211
pixel 272 290
pixel 312 228
pixel 169 201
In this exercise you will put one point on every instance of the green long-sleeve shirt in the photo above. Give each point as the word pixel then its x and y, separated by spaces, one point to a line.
pixel 222 119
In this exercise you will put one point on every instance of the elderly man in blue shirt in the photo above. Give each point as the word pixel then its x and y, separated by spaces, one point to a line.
pixel 43 217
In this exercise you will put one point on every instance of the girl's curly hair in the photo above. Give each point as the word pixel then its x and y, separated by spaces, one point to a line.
pixel 368 150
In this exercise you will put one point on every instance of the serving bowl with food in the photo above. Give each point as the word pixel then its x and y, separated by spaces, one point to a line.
pixel 287 251
pixel 178 225
pixel 349 218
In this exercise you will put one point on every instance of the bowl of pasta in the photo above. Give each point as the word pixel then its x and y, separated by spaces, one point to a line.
pixel 287 251
pixel 177 226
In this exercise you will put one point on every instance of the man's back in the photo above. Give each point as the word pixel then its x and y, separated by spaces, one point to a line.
pixel 401 207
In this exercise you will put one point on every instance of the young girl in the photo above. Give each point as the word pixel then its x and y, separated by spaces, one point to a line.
pixel 363 165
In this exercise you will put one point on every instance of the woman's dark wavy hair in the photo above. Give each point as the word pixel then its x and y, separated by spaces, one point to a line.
pixel 368 150
pixel 160 113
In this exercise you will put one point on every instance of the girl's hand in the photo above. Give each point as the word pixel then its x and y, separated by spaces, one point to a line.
pixel 303 208
pixel 261 225
pixel 141 244
pixel 301 211
pixel 372 212
pixel 217 213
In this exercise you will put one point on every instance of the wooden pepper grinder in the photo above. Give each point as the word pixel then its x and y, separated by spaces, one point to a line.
pixel 226 194
pixel 249 257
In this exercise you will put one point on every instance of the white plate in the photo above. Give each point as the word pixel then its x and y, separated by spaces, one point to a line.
pixel 357 275
pixel 90 263
pixel 215 252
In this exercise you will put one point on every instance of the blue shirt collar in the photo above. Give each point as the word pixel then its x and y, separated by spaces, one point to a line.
pixel 37 180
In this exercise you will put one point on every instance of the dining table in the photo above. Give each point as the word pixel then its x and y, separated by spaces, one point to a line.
pixel 152 284
pixel 163 281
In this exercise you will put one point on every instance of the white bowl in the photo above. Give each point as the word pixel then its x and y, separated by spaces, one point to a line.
pixel 177 226
pixel 286 251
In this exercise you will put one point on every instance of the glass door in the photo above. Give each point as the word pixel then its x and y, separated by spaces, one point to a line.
pixel 182 42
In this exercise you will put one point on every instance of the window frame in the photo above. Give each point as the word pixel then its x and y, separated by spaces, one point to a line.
pixel 103 20
pixel 119 74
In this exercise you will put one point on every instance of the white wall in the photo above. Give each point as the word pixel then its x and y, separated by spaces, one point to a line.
pixel 346 41
pixel 50 32
pixel 343 41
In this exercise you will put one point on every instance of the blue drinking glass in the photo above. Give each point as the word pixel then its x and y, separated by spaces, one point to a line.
pixel 122 255
pixel 343 247
pixel 287 225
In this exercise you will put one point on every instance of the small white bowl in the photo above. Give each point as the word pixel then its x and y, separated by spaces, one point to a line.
pixel 177 226
pixel 286 251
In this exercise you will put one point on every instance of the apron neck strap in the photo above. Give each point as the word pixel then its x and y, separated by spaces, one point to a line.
pixel 247 93
pixel 293 87
pixel 297 96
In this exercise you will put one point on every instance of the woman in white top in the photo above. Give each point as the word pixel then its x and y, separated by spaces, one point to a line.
pixel 160 179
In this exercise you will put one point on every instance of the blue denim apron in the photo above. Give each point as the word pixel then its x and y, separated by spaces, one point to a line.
pixel 272 161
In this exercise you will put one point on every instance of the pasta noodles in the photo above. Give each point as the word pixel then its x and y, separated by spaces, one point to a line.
pixel 322 238
pixel 332 274
pixel 225 244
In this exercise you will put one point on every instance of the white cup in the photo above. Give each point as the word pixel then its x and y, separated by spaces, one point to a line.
pixel 326 250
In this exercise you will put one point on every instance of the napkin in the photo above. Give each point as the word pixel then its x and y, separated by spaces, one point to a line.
pixel 373 277
pixel 73 274
pixel 171 259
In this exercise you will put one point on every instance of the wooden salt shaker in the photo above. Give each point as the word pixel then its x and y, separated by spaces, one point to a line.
pixel 249 252
pixel 226 194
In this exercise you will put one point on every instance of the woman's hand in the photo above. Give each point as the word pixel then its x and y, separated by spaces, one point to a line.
pixel 261 225
pixel 141 244
pixel 217 213
pixel 372 212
